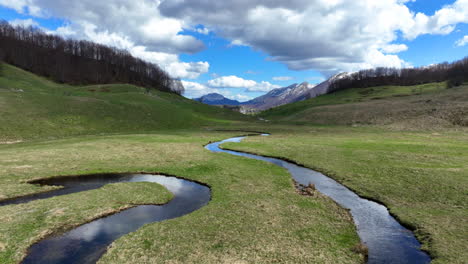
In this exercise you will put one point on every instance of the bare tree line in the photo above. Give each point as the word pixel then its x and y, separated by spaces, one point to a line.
pixel 77 61
pixel 455 74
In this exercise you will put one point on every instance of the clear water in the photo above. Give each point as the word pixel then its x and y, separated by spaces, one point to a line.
pixel 387 240
pixel 87 243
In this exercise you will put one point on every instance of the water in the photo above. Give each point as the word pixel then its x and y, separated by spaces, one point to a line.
pixel 87 243
pixel 387 240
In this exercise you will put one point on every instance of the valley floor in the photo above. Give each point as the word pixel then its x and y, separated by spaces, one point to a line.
pixel 422 177
pixel 414 159
pixel 255 214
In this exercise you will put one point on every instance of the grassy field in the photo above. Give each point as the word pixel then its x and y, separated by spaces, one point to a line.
pixel 248 220
pixel 33 107
pixel 399 151
pixel 421 176
pixel 428 106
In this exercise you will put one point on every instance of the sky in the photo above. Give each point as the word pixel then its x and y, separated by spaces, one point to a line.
pixel 245 48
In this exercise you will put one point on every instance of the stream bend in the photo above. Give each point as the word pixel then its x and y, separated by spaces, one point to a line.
pixel 88 242
pixel 388 241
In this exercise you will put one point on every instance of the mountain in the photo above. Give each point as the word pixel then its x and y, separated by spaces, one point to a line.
pixel 274 98
pixel 291 94
pixel 277 97
pixel 216 99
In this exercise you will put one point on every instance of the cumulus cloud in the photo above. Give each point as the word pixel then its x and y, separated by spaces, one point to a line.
pixel 231 82
pixel 462 42
pixel 283 78
pixel 394 48
pixel 136 26
pixel 196 90
pixel 442 22
pixel 262 87
pixel 329 36
pixel 237 82
pixel 24 22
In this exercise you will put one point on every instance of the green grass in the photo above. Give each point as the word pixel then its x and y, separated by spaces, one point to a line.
pixel 425 106
pixel 255 215
pixel 354 95
pixel 33 107
pixel 421 176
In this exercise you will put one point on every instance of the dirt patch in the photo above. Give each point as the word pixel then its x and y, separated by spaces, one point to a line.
pixel 361 249
pixel 308 190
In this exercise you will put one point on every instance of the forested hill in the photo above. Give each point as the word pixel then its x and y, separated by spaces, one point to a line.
pixel 77 61
pixel 455 74
pixel 33 107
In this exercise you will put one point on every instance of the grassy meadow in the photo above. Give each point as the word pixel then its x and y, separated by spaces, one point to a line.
pixel 248 220
pixel 422 107
pixel 32 107
pixel 386 143
pixel 422 177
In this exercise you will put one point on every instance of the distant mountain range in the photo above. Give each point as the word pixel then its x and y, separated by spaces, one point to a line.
pixel 276 97
pixel 279 96
pixel 216 99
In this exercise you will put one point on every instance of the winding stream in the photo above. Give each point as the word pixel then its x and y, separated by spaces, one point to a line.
pixel 88 242
pixel 387 240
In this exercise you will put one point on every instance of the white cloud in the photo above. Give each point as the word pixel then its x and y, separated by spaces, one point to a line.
pixel 443 22
pixel 329 36
pixel 24 22
pixel 231 82
pixel 394 48
pixel 237 82
pixel 196 90
pixel 21 6
pixel 283 78
pixel 136 26
pixel 242 97
pixel 203 31
pixel 462 42
pixel 262 87
pixel 169 62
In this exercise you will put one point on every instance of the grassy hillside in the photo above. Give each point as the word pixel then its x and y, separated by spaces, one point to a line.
pixel 34 107
pixel 418 106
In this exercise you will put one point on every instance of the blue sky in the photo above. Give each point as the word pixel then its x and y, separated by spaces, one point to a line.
pixel 248 49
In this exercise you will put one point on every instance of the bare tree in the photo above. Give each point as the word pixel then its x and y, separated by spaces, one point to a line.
pixel 455 73
pixel 78 61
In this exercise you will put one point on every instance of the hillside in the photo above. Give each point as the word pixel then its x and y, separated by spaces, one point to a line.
pixel 420 106
pixel 47 109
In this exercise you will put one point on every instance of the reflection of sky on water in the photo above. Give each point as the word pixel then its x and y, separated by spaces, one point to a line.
pixel 174 185
pixel 86 243
pixel 388 241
